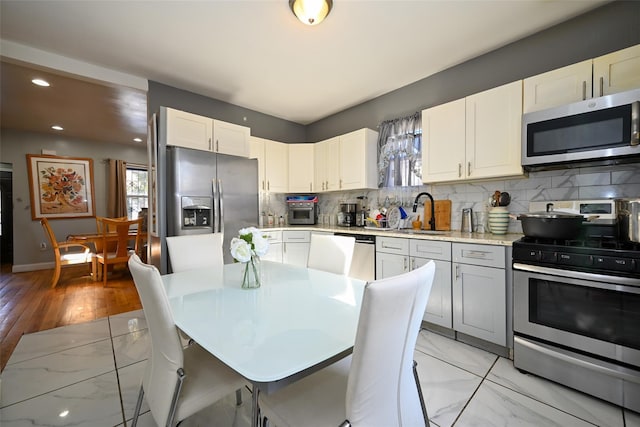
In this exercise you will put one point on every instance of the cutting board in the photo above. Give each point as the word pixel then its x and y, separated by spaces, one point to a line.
pixel 442 212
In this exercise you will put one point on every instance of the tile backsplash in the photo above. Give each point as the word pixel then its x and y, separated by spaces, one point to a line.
pixel 603 182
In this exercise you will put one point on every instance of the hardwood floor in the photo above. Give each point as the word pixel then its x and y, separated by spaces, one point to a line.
pixel 29 304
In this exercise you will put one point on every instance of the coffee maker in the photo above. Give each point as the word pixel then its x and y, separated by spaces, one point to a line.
pixel 349 212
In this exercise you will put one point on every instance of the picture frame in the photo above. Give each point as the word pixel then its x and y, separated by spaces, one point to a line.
pixel 61 187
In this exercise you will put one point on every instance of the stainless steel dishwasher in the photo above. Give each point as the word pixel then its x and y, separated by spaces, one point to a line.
pixel 363 265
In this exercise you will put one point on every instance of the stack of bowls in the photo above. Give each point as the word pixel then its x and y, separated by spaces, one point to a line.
pixel 498 220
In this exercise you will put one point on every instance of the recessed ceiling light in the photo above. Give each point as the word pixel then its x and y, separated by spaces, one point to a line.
pixel 137 139
pixel 40 82
pixel 56 127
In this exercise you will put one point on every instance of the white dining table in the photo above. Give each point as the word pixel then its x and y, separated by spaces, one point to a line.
pixel 297 322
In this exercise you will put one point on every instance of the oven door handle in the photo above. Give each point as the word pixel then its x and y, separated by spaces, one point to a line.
pixel 619 372
pixel 572 274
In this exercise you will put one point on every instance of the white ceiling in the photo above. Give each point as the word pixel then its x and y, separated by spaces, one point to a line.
pixel 255 54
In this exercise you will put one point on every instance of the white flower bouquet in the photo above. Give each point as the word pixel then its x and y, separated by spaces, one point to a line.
pixel 247 248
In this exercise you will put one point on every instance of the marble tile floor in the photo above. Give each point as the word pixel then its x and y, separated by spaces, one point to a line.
pixel 88 375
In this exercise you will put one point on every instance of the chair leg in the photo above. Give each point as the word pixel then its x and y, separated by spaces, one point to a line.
pixel 420 396
pixel 56 275
pixel 176 395
pixel 138 406
pixel 104 274
pixel 238 397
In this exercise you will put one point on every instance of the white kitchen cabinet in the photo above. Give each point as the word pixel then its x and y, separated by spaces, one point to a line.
pixel 558 87
pixel 229 138
pixel 473 138
pixel 207 134
pixel 276 164
pixel 358 160
pixel 301 168
pixel 617 71
pixel 275 245
pixel 494 132
pixel 479 292
pixel 443 142
pixel 295 249
pixel 188 130
pixel 327 164
pixel 392 256
pixel 612 73
pixel 256 151
pixel 439 307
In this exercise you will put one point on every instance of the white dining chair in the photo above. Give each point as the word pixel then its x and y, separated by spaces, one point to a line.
pixel 378 385
pixel 195 251
pixel 177 381
pixel 331 253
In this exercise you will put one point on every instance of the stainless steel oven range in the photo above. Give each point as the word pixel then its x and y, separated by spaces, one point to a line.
pixel 577 314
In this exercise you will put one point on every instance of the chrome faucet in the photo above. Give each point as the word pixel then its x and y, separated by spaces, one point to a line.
pixel 432 221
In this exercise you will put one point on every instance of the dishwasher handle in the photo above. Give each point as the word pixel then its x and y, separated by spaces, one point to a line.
pixel 360 238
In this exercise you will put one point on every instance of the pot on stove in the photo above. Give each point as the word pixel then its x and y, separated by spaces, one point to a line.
pixel 628 212
pixel 551 225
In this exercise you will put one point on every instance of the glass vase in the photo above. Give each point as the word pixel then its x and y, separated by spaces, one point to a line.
pixel 251 278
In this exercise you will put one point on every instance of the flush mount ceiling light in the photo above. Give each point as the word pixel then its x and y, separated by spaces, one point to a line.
pixel 40 82
pixel 311 12
pixel 57 127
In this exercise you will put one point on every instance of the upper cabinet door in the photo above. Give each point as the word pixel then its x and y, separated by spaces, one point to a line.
pixel 494 125
pixel 358 160
pixel 558 87
pixel 229 138
pixel 256 151
pixel 443 142
pixel 188 130
pixel 617 71
pixel 276 156
pixel 301 168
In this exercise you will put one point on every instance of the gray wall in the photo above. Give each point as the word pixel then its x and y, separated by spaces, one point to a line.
pixel 606 29
pixel 27 234
pixel 262 125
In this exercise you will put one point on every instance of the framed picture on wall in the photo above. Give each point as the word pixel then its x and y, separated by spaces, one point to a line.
pixel 60 187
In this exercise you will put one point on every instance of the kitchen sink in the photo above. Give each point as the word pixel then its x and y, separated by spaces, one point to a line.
pixel 430 232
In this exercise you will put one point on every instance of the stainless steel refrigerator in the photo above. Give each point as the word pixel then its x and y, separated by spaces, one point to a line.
pixel 200 192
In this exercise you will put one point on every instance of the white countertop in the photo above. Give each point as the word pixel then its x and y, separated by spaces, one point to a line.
pixel 449 236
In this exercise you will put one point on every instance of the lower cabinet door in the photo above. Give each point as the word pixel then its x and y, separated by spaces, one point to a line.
pixel 439 310
pixel 295 253
pixel 479 302
pixel 274 253
pixel 389 265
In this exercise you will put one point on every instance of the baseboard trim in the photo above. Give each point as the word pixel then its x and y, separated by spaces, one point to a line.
pixel 21 268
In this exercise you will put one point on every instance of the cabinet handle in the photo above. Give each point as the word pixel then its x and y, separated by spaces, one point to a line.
pixel 404 263
pixel 584 90
pixel 268 186
pixel 390 247
pixel 323 185
pixel 284 247
pixel 413 263
pixel 327 186
pixel 217 145
pixel 457 271
pixel 209 144
pixel 475 254
pixel 263 185
pixel 459 170
pixel 601 86
pixel 341 184
pixel 468 168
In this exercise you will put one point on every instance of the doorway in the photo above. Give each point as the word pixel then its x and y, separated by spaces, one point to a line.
pixel 6 217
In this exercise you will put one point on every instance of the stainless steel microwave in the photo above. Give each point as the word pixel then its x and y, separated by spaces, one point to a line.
pixel 602 130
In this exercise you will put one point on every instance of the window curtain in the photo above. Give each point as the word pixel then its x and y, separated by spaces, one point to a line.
pixel 400 151
pixel 117 197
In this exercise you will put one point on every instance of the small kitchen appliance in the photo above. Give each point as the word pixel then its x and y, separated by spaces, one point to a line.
pixel 349 213
pixel 302 210
pixel 577 306
pixel 603 130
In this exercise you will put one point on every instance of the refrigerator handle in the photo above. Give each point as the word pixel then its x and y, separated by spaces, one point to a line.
pixel 221 208
pixel 214 190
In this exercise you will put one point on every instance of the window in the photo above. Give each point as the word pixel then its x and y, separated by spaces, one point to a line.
pixel 137 190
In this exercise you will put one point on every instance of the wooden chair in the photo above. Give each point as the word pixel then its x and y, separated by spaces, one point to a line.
pixel 111 245
pixel 62 254
pixel 118 232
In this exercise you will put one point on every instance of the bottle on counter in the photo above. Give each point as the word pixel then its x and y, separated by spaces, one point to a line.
pixel 281 221
pixel 261 219
pixel 270 220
